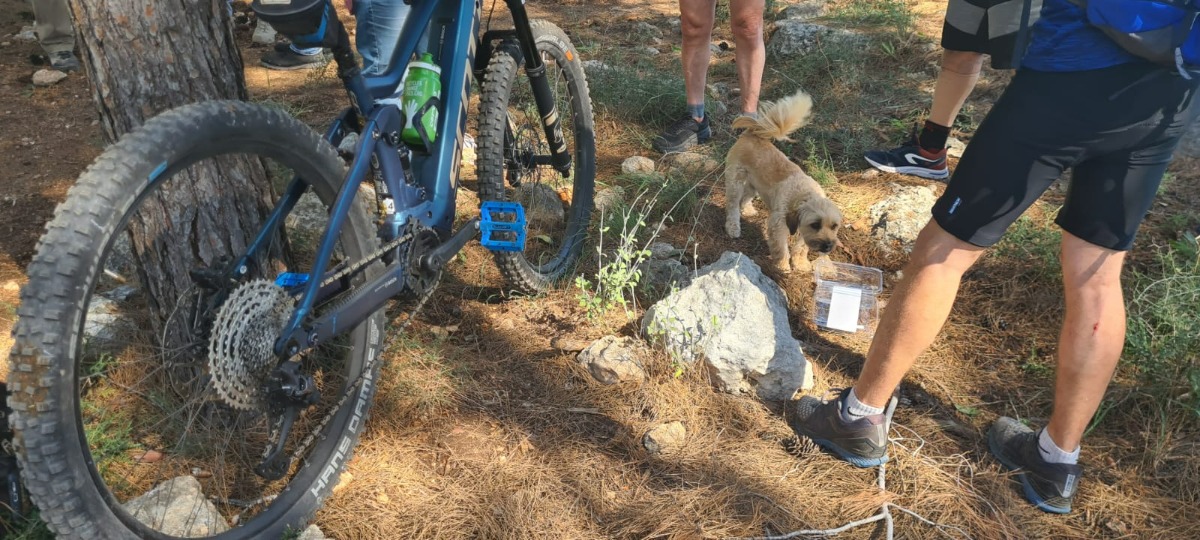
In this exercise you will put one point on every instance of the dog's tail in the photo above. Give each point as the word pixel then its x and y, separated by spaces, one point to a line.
pixel 779 119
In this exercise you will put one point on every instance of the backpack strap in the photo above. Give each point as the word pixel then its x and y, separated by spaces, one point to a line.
pixel 1023 33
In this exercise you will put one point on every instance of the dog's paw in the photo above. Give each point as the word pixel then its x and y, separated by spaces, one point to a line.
pixel 734 230
pixel 801 264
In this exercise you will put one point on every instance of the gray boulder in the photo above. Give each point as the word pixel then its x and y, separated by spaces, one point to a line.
pixel 803 11
pixel 178 507
pixel 795 36
pixel 613 359
pixel 542 205
pixel 898 219
pixel 735 320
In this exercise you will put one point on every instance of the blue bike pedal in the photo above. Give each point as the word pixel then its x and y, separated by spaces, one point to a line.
pixel 499 235
pixel 288 280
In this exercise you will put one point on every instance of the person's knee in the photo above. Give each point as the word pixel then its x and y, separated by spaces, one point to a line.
pixel 936 248
pixel 697 24
pixel 965 62
pixel 747 27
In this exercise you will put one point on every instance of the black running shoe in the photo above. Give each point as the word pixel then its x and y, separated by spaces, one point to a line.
pixel 282 57
pixel 910 158
pixel 683 134
pixel 1049 486
pixel 862 442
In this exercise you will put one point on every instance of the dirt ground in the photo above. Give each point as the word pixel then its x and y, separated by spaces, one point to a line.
pixel 483 429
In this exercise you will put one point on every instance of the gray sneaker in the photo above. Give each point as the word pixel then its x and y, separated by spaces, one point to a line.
pixel 64 61
pixel 862 442
pixel 1049 486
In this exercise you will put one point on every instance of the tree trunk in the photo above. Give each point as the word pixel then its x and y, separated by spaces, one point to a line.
pixel 144 58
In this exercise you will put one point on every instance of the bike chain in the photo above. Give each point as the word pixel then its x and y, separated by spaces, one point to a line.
pixel 371 361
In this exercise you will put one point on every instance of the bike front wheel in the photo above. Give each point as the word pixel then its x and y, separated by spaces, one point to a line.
pixel 514 157
pixel 138 379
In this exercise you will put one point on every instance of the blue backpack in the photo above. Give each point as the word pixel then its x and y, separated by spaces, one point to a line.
pixel 1162 31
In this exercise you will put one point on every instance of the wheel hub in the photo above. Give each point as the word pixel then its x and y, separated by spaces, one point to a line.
pixel 241 351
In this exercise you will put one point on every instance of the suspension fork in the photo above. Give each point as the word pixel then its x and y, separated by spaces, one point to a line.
pixel 560 157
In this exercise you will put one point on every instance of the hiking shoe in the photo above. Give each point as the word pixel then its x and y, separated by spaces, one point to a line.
pixel 862 442
pixel 282 57
pixel 910 158
pixel 64 61
pixel 683 134
pixel 1049 486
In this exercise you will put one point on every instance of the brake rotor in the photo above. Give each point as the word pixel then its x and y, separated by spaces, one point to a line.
pixel 241 351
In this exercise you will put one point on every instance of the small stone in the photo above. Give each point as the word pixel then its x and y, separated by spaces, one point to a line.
pixel 805 10
pixel 665 438
pixel 201 473
pixel 663 250
pixel 650 51
pixel 121 293
pixel 613 359
pixel 609 199
pixel 149 456
pixel 47 77
pixel 955 147
pixel 648 29
pixel 568 344
pixel 693 162
pixel 543 207
pixel 637 164
pixel 312 533
pixel 870 173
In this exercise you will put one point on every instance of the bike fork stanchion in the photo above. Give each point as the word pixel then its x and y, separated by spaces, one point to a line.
pixel 560 156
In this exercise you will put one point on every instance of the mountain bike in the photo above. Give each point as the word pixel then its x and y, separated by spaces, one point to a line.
pixel 206 369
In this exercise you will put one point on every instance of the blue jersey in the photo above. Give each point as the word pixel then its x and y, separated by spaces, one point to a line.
pixel 1063 40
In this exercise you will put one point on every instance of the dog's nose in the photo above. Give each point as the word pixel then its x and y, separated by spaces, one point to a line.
pixel 826 247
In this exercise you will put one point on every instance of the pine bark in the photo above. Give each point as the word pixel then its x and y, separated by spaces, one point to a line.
pixel 144 58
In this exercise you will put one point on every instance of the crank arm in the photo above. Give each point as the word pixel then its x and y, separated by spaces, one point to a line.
pixel 437 258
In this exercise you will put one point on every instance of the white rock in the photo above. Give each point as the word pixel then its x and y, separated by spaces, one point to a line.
pixel 26 34
pixel 637 164
pixel 47 77
pixel 178 507
pixel 955 147
pixel 692 162
pixel 103 321
pixel 650 51
pixel 312 533
pixel 735 319
pixel 609 199
pixel 647 29
pixel 592 67
pixel 665 438
pixel 898 219
pixel 264 34
pixel 613 359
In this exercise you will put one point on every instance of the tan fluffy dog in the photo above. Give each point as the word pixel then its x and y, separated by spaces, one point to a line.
pixel 798 206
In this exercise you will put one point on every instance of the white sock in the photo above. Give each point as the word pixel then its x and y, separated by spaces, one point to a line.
pixel 856 409
pixel 1052 453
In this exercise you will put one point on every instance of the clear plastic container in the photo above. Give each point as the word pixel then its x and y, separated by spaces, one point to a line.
pixel 846 297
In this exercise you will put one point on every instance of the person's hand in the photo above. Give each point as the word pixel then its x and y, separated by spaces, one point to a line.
pixel 349 4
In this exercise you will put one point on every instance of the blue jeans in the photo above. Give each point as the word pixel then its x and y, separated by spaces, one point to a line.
pixel 379 24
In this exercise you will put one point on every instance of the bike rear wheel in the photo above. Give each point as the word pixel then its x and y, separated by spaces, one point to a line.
pixel 513 148
pixel 131 419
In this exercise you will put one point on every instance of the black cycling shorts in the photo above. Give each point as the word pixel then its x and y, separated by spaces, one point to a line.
pixel 987 26
pixel 1116 128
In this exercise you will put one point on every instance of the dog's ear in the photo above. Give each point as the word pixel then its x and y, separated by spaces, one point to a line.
pixel 793 220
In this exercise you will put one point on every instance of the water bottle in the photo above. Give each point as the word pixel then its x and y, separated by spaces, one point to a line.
pixel 419 101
